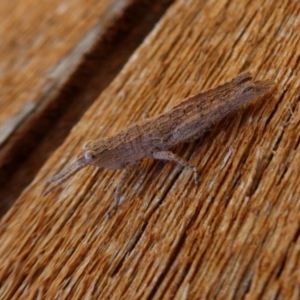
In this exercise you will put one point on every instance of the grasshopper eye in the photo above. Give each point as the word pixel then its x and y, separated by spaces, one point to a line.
pixel 88 155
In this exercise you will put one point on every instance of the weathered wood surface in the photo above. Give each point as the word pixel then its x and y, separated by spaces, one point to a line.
pixel 34 42
pixel 234 236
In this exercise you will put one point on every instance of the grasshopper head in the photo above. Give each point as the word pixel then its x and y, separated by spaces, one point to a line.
pixel 89 155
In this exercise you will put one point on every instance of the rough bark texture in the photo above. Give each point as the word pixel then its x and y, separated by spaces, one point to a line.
pixel 234 236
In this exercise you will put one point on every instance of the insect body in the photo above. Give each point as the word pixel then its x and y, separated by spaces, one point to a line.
pixel 152 137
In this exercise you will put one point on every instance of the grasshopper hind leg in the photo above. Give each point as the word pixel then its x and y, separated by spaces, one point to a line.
pixel 170 156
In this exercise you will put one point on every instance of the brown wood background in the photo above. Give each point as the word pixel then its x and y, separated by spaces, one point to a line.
pixel 234 236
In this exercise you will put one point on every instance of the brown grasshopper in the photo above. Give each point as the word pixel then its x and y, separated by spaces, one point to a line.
pixel 152 137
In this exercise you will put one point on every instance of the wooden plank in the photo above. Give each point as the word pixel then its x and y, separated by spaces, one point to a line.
pixel 36 49
pixel 234 236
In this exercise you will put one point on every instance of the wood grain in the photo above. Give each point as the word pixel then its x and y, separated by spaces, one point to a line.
pixel 46 43
pixel 236 235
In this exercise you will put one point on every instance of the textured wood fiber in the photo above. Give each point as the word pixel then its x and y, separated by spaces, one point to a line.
pixel 234 236
pixel 43 34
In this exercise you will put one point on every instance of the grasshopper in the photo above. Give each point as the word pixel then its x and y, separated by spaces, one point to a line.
pixel 153 137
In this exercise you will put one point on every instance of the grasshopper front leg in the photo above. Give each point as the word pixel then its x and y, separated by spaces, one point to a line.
pixel 118 191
